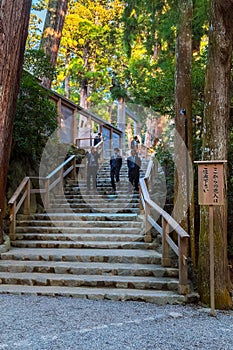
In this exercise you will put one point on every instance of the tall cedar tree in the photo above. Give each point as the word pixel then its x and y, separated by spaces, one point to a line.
pixel 52 31
pixel 215 145
pixel 14 20
pixel 183 101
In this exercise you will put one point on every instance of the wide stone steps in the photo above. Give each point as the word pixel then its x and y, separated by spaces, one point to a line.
pixel 117 294
pixel 69 280
pixel 131 256
pixel 92 210
pixel 112 201
pixel 80 237
pixel 81 217
pixel 109 225
pixel 79 244
pixel 68 230
pixel 88 245
pixel 87 268
pixel 112 237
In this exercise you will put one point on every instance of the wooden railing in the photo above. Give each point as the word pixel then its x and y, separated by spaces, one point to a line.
pixel 78 141
pixel 168 225
pixel 21 199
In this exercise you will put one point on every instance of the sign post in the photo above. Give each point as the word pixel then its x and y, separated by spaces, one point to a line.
pixel 211 192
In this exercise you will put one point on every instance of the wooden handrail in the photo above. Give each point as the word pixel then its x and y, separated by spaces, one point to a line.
pixel 168 225
pixel 23 192
pixel 19 190
pixel 55 171
pixel 53 179
pixel 20 197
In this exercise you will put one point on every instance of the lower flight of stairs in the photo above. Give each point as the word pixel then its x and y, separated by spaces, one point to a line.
pixel 88 246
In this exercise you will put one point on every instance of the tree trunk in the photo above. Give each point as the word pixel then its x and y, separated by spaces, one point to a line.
pixel 183 192
pixel 52 32
pixel 14 20
pixel 84 89
pixel 215 140
pixel 67 77
pixel 84 93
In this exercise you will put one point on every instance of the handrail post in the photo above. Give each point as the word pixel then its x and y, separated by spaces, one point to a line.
pixel 60 186
pixel 27 199
pixel 12 221
pixel 148 237
pixel 166 260
pixel 102 153
pixel 73 172
pixel 46 196
pixel 183 266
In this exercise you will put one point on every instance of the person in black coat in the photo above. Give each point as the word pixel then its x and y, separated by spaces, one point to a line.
pixel 135 143
pixel 92 168
pixel 97 139
pixel 115 164
pixel 134 165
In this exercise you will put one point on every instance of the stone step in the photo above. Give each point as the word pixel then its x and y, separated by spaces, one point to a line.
pixel 78 230
pixel 82 268
pixel 79 224
pixel 102 192
pixel 69 280
pixel 108 199
pixel 93 209
pixel 111 201
pixel 131 256
pixel 84 217
pixel 100 204
pixel 130 196
pixel 152 296
pixel 73 244
pixel 112 237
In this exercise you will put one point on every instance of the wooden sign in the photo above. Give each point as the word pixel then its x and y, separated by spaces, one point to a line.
pixel 211 185
pixel 211 191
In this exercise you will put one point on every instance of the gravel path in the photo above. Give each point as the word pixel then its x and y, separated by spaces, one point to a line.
pixel 44 323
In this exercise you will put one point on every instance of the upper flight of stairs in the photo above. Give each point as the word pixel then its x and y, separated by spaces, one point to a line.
pixel 89 246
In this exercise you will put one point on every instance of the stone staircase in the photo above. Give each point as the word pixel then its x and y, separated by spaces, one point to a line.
pixel 88 246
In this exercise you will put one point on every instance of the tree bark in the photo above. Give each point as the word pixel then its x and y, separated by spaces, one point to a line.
pixel 14 20
pixel 215 140
pixel 52 32
pixel 183 192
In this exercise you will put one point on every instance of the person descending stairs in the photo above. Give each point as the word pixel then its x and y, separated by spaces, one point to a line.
pixel 89 245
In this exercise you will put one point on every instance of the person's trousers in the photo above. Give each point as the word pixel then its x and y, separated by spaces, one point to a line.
pixel 134 177
pixel 115 174
pixel 91 175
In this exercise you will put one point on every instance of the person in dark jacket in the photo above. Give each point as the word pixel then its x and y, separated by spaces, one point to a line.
pixel 97 139
pixel 135 143
pixel 92 168
pixel 134 165
pixel 115 164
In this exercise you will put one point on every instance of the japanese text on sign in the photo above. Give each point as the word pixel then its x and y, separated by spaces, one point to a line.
pixel 211 184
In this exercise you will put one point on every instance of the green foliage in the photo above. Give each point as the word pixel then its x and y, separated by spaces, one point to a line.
pixel 40 5
pixel 79 153
pixel 200 21
pixel 34 32
pixel 38 64
pixel 35 120
pixel 91 49
pixel 164 158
